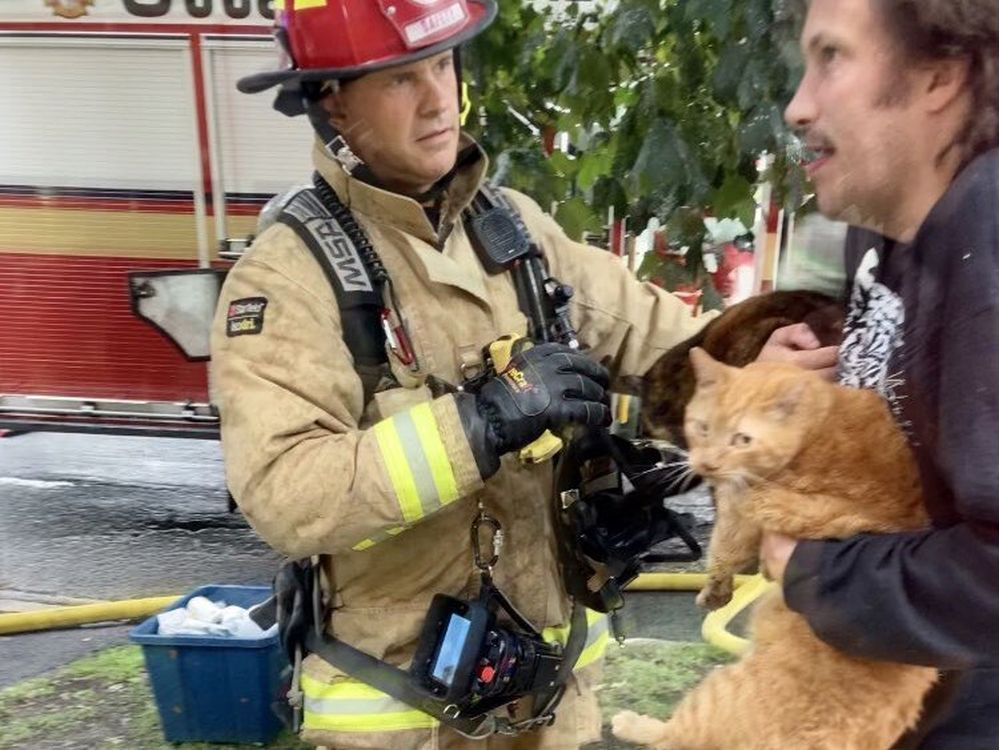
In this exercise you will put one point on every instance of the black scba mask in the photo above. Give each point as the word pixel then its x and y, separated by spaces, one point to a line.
pixel 611 509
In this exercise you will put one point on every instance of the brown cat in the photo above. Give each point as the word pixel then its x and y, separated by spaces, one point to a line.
pixel 789 452
pixel 735 337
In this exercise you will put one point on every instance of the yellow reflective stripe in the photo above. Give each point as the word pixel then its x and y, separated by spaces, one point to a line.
pixel 597 638
pixel 596 619
pixel 417 463
pixel 303 4
pixel 379 537
pixel 556 634
pixel 344 688
pixel 434 450
pixel 399 470
pixel 385 722
pixel 351 706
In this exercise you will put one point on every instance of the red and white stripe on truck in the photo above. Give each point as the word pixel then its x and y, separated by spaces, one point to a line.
pixel 124 146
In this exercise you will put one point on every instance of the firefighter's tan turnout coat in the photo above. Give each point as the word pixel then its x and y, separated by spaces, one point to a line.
pixel 386 491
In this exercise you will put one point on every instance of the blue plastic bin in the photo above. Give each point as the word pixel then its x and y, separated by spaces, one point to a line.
pixel 214 688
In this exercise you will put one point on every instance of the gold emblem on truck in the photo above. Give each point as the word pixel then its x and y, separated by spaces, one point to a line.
pixel 69 8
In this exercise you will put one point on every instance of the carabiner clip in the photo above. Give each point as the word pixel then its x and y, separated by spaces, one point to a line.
pixel 398 339
pixel 496 541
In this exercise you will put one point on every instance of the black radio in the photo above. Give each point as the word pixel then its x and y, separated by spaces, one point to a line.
pixel 468 659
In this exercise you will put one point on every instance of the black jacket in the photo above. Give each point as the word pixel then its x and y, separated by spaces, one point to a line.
pixel 922 330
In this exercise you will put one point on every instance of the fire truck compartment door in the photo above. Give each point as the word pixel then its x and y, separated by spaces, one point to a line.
pixel 179 304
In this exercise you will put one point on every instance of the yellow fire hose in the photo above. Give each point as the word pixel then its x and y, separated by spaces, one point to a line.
pixel 713 630
pixel 746 589
pixel 675 582
pixel 713 627
pixel 82 614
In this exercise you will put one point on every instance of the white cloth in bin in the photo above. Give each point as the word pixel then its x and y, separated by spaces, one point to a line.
pixel 204 617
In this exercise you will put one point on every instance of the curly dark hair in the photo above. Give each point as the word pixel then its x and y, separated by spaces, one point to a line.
pixel 942 29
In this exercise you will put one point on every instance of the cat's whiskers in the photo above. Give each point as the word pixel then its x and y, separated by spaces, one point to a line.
pixel 683 478
pixel 676 474
pixel 664 446
pixel 682 463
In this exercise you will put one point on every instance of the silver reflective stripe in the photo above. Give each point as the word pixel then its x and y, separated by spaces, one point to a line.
pixel 355 706
pixel 597 625
pixel 420 468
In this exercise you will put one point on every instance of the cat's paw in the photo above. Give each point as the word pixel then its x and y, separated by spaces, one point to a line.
pixel 633 727
pixel 716 594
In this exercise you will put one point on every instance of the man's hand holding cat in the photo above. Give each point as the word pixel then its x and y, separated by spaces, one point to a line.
pixel 798 345
pixel 775 551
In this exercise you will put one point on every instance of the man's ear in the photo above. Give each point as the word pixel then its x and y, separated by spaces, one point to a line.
pixel 334 107
pixel 944 81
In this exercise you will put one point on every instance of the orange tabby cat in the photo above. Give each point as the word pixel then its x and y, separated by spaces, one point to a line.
pixel 788 452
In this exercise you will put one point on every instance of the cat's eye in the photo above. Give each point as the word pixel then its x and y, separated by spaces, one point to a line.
pixel 741 439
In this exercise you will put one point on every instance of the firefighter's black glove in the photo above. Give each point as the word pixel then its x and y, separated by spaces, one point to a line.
pixel 542 388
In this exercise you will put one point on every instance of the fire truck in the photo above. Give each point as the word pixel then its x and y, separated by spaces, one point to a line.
pixel 130 169
pixel 131 173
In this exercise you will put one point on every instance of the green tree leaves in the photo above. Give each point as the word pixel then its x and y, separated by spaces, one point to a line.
pixel 667 102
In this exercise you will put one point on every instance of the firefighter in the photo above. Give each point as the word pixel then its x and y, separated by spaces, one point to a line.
pixel 380 472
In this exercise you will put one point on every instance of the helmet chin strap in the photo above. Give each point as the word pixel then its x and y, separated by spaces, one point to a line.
pixel 319 118
pixel 334 142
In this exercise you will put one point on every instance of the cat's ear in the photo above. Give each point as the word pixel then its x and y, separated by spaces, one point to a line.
pixel 707 371
pixel 789 402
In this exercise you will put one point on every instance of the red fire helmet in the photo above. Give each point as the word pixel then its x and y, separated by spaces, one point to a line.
pixel 332 39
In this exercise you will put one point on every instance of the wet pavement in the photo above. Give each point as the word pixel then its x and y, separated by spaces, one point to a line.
pixel 114 517
pixel 104 517
pixel 107 517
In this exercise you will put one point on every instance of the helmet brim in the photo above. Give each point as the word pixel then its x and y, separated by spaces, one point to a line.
pixel 257 82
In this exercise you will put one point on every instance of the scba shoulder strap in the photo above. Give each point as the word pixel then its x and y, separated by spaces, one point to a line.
pixel 357 276
pixel 350 263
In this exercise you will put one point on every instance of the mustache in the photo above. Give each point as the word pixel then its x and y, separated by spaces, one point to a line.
pixel 807 142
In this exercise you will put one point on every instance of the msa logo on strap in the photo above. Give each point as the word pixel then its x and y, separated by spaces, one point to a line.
pixel 245 316
pixel 332 241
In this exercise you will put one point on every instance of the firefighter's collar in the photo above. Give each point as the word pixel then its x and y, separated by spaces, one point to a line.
pixel 401 211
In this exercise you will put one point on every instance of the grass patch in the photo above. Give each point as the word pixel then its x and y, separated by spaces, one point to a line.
pixel 650 677
pixel 100 702
pixel 103 701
